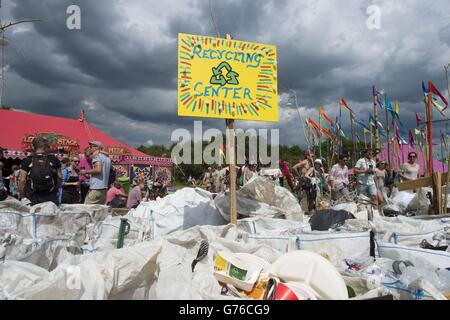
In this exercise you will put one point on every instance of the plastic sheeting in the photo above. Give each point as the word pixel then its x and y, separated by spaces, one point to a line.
pixel 44 257
pixel 43 234
pixel 439 259
pixel 260 197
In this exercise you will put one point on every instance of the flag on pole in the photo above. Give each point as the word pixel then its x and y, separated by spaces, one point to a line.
pixel 360 123
pixel 418 119
pixel 327 132
pixel 431 88
pixel 435 91
pixel 398 136
pixel 322 113
pixel 371 120
pixel 411 138
pixel 377 95
pixel 344 104
pixel 388 103
pixel 313 124
pixel 315 128
pixel 339 130
pixel 396 113
pixel 82 116
pixel 367 131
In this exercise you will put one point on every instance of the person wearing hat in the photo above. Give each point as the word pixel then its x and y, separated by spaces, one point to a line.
pixel 40 174
pixel 99 174
pixel 314 175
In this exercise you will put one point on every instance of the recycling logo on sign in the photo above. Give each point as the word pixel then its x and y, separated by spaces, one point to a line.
pixel 231 77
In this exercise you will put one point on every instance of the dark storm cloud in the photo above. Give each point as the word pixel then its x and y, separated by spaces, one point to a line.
pixel 103 49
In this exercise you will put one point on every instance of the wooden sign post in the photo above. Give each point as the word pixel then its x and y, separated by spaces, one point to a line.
pixel 227 79
pixel 436 181
pixel 232 150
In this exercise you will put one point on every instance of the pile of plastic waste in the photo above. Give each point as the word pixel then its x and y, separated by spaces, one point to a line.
pixel 182 247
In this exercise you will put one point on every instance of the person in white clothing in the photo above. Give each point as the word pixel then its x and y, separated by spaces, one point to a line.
pixel 338 179
pixel 365 170
pixel 410 170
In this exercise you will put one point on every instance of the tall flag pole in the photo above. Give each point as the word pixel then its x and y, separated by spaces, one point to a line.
pixel 430 131
pixel 429 101
pixel 442 151
pixel 375 112
pixel 425 151
pixel 340 126
pixel 388 138
pixel 344 104
pixel 320 136
pixel 365 139
pixel 371 139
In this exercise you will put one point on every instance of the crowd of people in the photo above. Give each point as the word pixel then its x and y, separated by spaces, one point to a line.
pixel 373 178
pixel 310 181
pixel 90 179
pixel 87 178
pixel 216 179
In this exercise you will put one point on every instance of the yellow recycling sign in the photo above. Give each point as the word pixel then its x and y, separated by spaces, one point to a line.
pixel 229 79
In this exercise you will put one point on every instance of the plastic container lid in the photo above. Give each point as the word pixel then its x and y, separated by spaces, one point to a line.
pixel 254 261
pixel 233 267
pixel 310 269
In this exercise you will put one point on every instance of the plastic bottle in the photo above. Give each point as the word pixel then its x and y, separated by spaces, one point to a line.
pixel 444 280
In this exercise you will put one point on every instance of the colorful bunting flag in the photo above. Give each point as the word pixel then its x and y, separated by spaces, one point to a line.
pixel 411 138
pixel 322 113
pixel 431 88
pixel 360 123
pixel 418 119
pixel 435 91
pixel 388 104
pixel 327 132
pixel 371 120
pixel 377 95
pixel 313 124
pixel 344 104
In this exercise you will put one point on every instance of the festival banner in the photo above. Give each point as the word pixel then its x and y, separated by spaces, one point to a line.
pixel 229 79
pixel 323 114
pixel 141 172
pixel 58 143
pixel 343 103
pixel 164 174
pixel 121 170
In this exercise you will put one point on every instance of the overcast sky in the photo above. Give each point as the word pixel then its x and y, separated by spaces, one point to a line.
pixel 121 67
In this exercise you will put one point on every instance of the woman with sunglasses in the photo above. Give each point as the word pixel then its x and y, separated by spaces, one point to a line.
pixel 71 182
pixel 410 170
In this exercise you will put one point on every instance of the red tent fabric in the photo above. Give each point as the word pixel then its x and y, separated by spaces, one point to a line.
pixel 18 128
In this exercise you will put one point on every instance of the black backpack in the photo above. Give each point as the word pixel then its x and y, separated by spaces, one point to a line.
pixel 41 174
pixel 112 176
